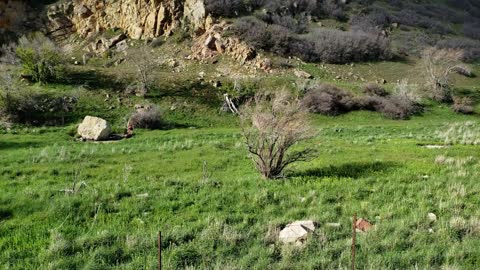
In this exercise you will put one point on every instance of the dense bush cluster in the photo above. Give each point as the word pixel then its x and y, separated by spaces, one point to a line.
pixel 150 118
pixel 332 46
pixel 412 18
pixel 371 21
pixel 463 105
pixel 282 8
pixel 470 6
pixel 330 100
pixel 472 30
pixel 374 89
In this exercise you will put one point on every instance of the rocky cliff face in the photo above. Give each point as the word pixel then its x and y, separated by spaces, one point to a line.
pixel 139 19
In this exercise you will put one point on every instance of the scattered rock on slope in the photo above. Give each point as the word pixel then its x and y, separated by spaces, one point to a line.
pixel 297 232
pixel 94 128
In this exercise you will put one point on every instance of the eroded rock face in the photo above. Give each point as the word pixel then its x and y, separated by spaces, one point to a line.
pixel 211 42
pixel 139 19
pixel 94 128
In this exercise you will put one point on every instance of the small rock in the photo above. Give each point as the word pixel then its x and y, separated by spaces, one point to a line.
pixel 121 46
pixel 216 84
pixel 432 217
pixel 296 232
pixel 302 74
pixel 363 225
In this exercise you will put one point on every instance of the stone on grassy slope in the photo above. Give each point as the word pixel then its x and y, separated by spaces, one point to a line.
pixel 363 225
pixel 302 74
pixel 94 128
pixel 296 232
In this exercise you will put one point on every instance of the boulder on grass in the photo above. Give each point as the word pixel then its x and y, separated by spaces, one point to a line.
pixel 94 128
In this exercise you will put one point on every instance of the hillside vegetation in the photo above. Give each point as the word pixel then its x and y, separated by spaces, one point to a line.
pixel 380 98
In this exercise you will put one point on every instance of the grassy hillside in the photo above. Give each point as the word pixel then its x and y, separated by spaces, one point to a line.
pixel 66 204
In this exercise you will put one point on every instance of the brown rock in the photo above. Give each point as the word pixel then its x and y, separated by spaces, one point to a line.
pixel 362 225
pixel 219 46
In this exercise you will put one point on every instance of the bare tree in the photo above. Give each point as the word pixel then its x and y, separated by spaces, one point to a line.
pixel 438 65
pixel 271 125
pixel 144 63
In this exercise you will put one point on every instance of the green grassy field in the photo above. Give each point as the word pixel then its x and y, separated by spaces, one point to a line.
pixel 200 189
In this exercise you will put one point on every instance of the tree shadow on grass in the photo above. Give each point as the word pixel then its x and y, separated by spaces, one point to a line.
pixel 349 170
pixel 200 91
pixel 17 145
pixel 92 79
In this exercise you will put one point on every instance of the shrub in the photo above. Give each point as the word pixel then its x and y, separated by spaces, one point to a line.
pixel 141 61
pixel 335 46
pixel 224 8
pixel 470 48
pixel 291 7
pixel 438 65
pixel 374 89
pixel 147 118
pixel 401 104
pixel 397 107
pixel 331 8
pixel 328 100
pixel 411 18
pixel 371 22
pixel 404 102
pixel 271 125
pixel 298 24
pixel 332 46
pixel 407 91
pixel 472 30
pixel 40 57
pixel 463 105
pixel 7 54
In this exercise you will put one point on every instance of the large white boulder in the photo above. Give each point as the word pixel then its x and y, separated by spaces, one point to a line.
pixel 94 128
pixel 297 231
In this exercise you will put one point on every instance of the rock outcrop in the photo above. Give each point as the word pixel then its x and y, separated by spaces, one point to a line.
pixel 211 43
pixel 139 19
pixel 94 128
